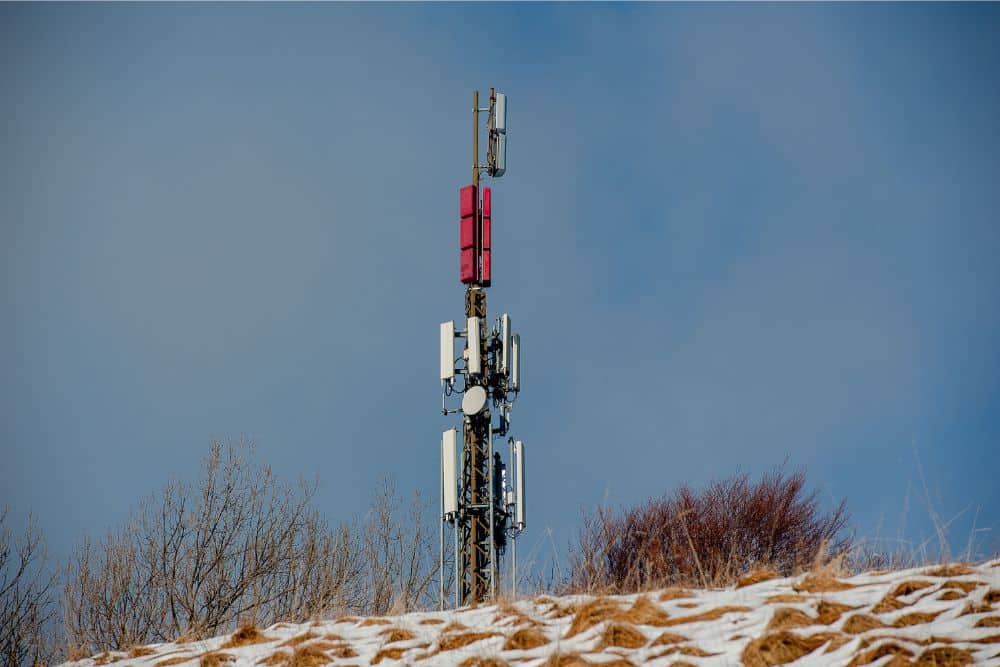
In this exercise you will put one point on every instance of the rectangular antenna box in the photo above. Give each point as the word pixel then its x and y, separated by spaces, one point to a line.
pixel 467 201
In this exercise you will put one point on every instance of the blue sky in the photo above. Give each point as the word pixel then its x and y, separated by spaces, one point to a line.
pixel 730 236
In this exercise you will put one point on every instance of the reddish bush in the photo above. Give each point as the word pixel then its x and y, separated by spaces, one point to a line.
pixel 711 537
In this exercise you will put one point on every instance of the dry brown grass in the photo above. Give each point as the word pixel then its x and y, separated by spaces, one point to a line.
pixel 780 648
pixel 756 576
pixel 944 656
pixel 476 661
pixel 374 621
pixel 393 635
pixel 992 639
pixel 175 661
pixel 830 612
pixel 992 596
pixel 215 659
pixel 644 612
pixel 103 658
pixel 860 623
pixel 140 651
pixel 298 639
pixel 821 582
pixel 452 642
pixel 347 619
pixel 950 570
pixel 951 595
pixel 900 655
pixel 623 635
pixel 674 594
pixel 559 659
pixel 891 601
pixel 592 613
pixel 454 627
pixel 786 618
pixel 431 621
pixel 668 638
pixel 710 615
pixel 787 598
pixel 974 608
pixel 245 636
pixel 343 650
pixel 988 622
pixel 693 651
pixel 525 639
pixel 276 658
pixel 915 618
pixel 390 653
pixel 967 586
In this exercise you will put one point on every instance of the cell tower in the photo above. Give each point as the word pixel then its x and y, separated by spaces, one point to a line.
pixel 479 502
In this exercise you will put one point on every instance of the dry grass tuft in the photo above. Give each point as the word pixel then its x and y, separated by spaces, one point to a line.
pixel 525 639
pixel 992 639
pixel 103 658
pixel 590 614
pixel 644 612
pixel 173 661
pixel 452 642
pixel 139 651
pixel 787 598
pixel 967 586
pixel 374 621
pixel 454 627
pixel 992 596
pixel 891 601
pixel 944 656
pixel 973 608
pixel 347 619
pixel 431 621
pixel 675 594
pixel 780 648
pixel 215 659
pixel 298 639
pixel 310 655
pixel 393 635
pixel 245 636
pixel 343 650
pixel 786 618
pixel 821 583
pixel 916 618
pixel 756 576
pixel 988 622
pixel 686 650
pixel 710 615
pixel 390 653
pixel 333 637
pixel 559 659
pixel 476 661
pixel 620 634
pixel 668 638
pixel 950 570
pixel 860 623
pixel 899 655
pixel 950 595
pixel 830 612
pixel 276 658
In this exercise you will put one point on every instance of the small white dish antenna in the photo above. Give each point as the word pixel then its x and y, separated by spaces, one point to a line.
pixel 474 400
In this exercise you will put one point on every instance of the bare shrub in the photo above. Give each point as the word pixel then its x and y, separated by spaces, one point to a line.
pixel 26 604
pixel 240 547
pixel 711 537
pixel 399 554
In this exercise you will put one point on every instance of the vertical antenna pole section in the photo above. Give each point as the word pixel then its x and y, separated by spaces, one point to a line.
pixel 475 138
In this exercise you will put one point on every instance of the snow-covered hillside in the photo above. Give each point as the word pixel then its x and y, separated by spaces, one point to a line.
pixel 946 615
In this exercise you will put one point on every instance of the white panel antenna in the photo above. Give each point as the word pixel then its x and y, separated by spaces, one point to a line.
pixel 500 112
pixel 515 362
pixel 473 364
pixel 505 344
pixel 447 351
pixel 449 492
pixel 519 484
pixel 500 168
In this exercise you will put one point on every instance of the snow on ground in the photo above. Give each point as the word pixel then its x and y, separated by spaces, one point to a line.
pixel 944 615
